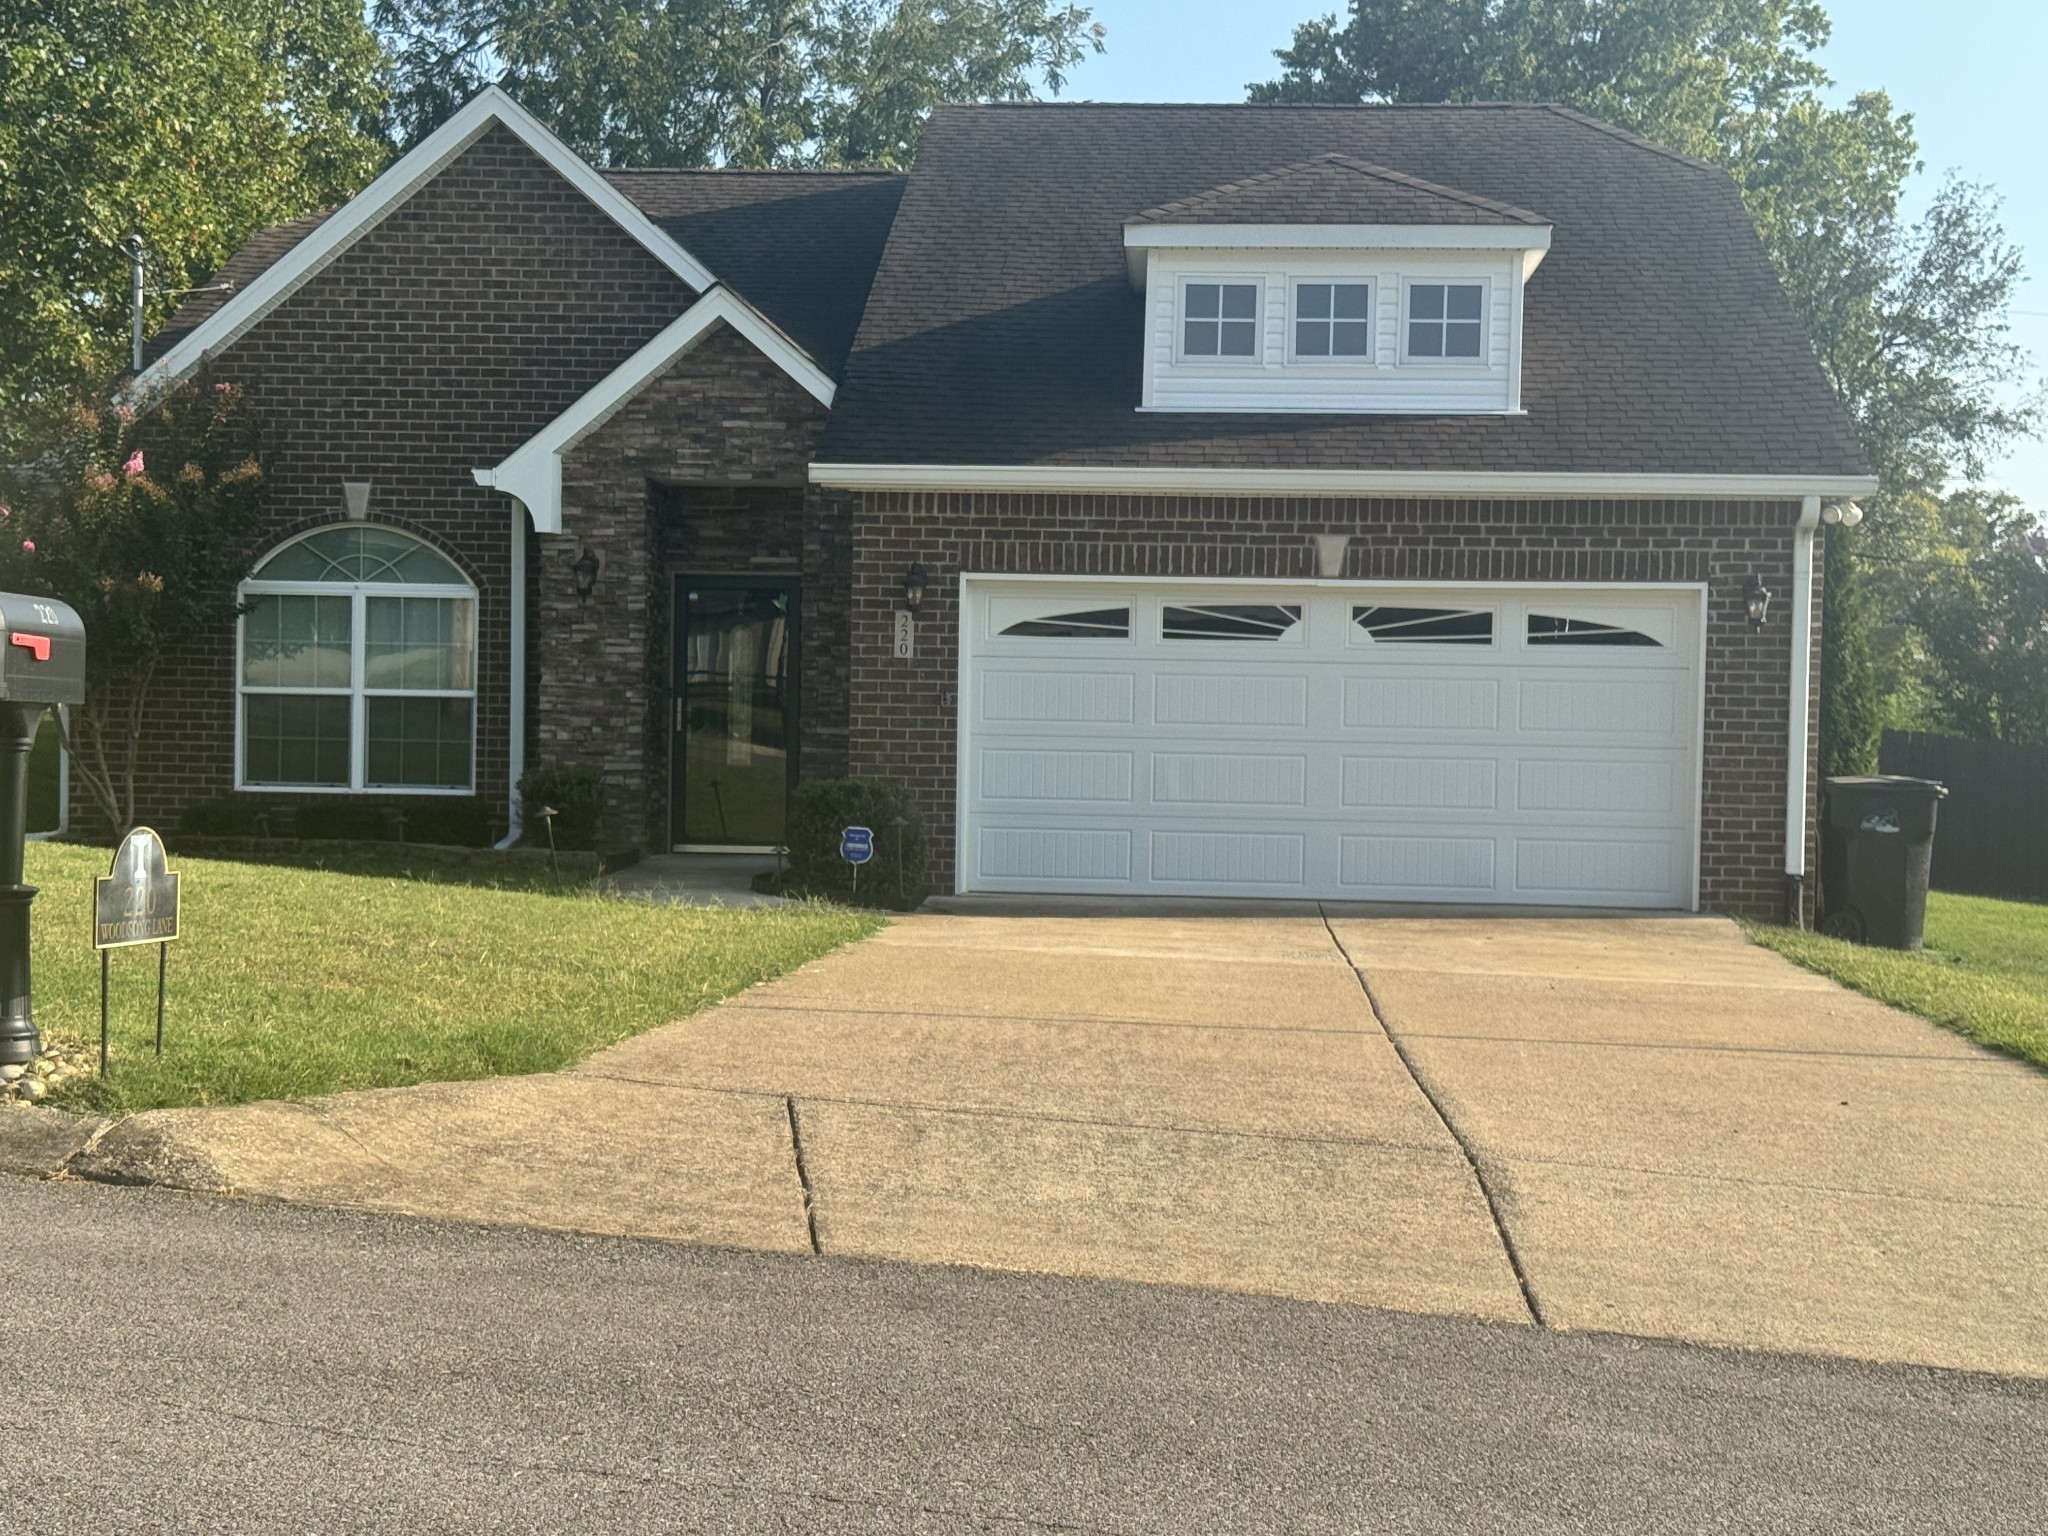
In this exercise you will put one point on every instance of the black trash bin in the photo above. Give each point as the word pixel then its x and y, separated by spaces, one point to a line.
pixel 1876 841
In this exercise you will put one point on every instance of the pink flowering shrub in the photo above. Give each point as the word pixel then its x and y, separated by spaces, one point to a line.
pixel 148 562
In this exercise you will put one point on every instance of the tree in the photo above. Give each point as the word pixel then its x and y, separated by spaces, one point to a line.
pixel 193 122
pixel 140 517
pixel 729 82
pixel 1982 615
pixel 1908 321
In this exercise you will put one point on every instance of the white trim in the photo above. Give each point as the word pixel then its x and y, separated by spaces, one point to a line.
pixel 1521 486
pixel 533 473
pixel 1341 237
pixel 1797 744
pixel 1063 579
pixel 407 175
pixel 515 746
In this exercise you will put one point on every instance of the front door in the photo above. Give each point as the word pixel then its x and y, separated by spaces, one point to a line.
pixel 733 748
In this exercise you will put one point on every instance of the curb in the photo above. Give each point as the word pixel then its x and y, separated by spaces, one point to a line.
pixel 39 1143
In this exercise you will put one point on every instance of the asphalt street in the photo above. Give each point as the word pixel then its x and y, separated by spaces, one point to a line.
pixel 175 1362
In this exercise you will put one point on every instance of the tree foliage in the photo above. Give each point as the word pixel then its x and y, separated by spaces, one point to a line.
pixel 193 122
pixel 1908 320
pixel 730 82
pixel 140 517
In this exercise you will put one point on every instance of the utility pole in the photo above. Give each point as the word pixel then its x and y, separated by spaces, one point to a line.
pixel 135 301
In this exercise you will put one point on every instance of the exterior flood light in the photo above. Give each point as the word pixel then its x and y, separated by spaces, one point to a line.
pixel 585 569
pixel 1845 514
pixel 1757 598
pixel 914 583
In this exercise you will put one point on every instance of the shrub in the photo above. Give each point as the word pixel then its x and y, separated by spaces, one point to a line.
pixel 577 794
pixel 459 823
pixel 222 818
pixel 821 808
pixel 354 821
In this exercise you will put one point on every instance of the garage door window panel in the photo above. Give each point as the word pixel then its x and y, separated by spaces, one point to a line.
pixel 1231 621
pixel 1385 624
pixel 1086 624
pixel 1557 629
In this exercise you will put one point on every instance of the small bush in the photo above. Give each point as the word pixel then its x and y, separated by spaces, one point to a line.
pixel 222 818
pixel 354 821
pixel 577 794
pixel 458 823
pixel 821 808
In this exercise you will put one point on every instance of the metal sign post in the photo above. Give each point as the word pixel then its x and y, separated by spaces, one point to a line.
pixel 856 846
pixel 135 903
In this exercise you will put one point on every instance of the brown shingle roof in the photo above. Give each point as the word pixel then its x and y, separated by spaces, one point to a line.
pixel 1002 327
pixel 1336 189
pixel 251 260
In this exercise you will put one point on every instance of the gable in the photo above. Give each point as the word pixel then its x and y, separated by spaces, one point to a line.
pixel 491 112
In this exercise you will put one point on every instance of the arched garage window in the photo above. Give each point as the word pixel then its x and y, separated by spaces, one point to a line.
pixel 357 667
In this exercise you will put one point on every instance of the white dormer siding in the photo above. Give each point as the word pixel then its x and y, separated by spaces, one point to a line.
pixel 1391 380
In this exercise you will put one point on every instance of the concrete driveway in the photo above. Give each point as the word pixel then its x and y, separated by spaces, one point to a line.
pixel 1642 1125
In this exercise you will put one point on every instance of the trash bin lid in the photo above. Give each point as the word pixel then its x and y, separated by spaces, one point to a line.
pixel 1893 784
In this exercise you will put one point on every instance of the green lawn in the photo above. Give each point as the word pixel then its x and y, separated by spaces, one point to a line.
pixel 1984 972
pixel 291 982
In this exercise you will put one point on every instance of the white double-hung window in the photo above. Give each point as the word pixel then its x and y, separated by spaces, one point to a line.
pixel 356 667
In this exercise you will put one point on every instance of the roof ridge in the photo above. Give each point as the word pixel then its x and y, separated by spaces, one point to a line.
pixel 746 170
pixel 1629 136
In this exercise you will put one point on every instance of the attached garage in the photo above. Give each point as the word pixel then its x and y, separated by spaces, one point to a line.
pixel 1337 740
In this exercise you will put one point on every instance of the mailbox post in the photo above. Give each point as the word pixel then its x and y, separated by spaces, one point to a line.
pixel 42 662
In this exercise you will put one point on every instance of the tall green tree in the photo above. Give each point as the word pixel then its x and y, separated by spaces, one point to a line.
pixel 730 82
pixel 1908 320
pixel 192 122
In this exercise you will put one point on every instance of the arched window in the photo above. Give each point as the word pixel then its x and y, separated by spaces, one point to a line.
pixel 356 667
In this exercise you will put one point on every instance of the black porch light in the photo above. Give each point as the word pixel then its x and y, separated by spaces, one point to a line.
pixel 914 583
pixel 586 569
pixel 1757 598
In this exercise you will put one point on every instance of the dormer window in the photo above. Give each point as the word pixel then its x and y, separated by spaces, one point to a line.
pixel 1333 320
pixel 1446 320
pixel 1334 286
pixel 1220 320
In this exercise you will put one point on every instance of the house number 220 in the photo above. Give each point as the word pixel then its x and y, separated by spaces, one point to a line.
pixel 906 634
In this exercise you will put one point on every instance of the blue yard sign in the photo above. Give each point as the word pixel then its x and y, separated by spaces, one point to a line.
pixel 856 845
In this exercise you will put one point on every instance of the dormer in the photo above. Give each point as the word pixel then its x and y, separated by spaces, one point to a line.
pixel 1334 286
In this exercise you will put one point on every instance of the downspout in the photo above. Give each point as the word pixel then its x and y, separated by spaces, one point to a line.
pixel 515 755
pixel 1798 726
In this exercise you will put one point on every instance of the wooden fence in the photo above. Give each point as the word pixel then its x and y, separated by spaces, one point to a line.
pixel 1991 833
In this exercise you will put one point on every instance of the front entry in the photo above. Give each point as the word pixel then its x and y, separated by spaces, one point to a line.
pixel 732 751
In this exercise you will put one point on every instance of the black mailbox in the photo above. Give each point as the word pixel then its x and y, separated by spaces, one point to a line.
pixel 42 662
pixel 42 651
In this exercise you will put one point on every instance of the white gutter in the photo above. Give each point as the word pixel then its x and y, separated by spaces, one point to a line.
pixel 1129 480
pixel 516 748
pixel 1798 725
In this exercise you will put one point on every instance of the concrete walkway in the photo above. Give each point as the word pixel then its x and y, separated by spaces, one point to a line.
pixel 1640 1125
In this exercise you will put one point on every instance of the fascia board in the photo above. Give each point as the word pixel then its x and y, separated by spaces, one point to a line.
pixel 1127 480
pixel 399 181
pixel 1341 237
pixel 533 472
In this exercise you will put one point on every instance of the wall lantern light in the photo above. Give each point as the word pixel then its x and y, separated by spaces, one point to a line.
pixel 914 583
pixel 1757 598
pixel 586 568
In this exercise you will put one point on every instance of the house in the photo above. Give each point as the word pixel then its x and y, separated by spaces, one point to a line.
pixel 1411 503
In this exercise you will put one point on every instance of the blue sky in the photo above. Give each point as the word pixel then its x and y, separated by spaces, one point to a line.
pixel 1971 80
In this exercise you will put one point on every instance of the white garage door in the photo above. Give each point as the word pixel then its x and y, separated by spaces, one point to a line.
pixel 1347 741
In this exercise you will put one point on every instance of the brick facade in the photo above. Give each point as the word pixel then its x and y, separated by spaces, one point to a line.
pixel 441 340
pixel 902 713
pixel 702 472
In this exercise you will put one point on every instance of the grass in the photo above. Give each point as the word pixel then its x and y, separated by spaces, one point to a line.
pixel 1984 972
pixel 374 971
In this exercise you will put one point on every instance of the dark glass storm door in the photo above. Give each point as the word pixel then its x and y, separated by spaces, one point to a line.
pixel 733 749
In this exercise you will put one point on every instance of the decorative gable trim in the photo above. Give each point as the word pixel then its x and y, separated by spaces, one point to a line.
pixel 533 474
pixel 368 208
